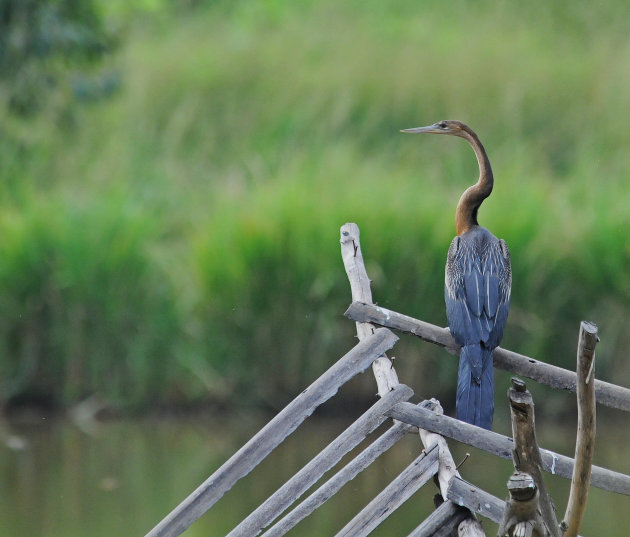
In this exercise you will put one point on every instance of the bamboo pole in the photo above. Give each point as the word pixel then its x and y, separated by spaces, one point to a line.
pixel 606 393
pixel 585 442
pixel 270 436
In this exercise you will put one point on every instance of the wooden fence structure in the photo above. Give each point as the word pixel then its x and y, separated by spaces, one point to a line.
pixel 528 511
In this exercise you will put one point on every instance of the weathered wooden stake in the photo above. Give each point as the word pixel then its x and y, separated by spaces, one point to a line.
pixel 448 468
pixel 585 442
pixel 467 526
pixel 526 454
pixel 384 371
pixel 522 516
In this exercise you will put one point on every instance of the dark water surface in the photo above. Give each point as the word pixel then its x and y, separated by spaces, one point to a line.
pixel 120 478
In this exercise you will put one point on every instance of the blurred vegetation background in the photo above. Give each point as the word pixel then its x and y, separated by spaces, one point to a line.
pixel 173 176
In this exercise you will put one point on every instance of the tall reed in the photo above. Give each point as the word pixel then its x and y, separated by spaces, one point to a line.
pixel 178 242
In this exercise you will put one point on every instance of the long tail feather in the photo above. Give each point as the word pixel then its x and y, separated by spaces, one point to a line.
pixel 475 386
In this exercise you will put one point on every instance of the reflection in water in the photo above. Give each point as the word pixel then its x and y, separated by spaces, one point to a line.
pixel 124 476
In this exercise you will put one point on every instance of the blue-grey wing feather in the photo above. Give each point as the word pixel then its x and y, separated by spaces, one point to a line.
pixel 464 327
pixel 503 294
pixel 477 288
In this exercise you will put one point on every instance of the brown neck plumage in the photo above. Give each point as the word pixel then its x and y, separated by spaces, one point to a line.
pixel 466 213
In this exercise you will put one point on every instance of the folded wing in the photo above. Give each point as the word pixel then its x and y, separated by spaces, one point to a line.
pixel 477 288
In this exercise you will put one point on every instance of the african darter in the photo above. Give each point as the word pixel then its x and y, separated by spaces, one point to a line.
pixel 477 287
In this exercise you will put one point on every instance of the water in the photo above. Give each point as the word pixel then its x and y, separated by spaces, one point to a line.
pixel 120 478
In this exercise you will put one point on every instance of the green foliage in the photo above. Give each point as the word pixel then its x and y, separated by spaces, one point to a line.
pixel 247 133
pixel 84 309
pixel 40 41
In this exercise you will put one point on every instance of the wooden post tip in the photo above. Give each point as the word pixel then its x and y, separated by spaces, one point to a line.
pixel 589 327
pixel 519 385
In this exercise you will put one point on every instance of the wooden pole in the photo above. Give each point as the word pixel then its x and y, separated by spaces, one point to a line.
pixel 383 369
pixel 526 454
pixel 558 378
pixel 469 526
pixel 477 500
pixel 278 502
pixel 448 468
pixel 347 473
pixel 384 372
pixel 393 496
pixel 443 522
pixel 270 436
pixel 501 445
pixel 463 493
pixel 585 442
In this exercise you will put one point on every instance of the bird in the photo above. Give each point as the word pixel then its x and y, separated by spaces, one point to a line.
pixel 477 287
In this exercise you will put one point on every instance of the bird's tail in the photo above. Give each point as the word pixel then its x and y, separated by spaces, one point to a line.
pixel 475 386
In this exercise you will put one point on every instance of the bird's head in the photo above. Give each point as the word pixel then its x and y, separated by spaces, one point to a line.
pixel 448 126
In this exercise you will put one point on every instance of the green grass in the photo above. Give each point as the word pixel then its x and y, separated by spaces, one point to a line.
pixel 85 311
pixel 179 241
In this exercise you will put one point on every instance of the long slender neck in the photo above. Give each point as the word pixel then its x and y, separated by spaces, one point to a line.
pixel 473 196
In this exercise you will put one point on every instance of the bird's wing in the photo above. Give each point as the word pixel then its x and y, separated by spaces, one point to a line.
pixel 477 291
pixel 462 291
pixel 498 306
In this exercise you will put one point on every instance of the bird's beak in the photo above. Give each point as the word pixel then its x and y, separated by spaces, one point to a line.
pixel 431 129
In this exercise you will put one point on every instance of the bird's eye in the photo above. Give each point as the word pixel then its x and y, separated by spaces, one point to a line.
pixel 442 125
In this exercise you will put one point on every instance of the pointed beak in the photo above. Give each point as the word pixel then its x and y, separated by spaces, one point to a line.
pixel 431 129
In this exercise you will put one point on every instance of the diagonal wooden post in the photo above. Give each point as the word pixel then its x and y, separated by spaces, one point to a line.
pixel 288 493
pixel 393 496
pixel 334 484
pixel 268 438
